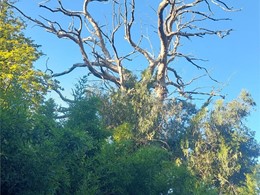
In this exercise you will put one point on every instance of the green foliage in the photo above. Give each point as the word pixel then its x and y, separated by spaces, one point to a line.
pixel 123 132
pixel 17 54
pixel 207 153
pixel 121 168
pixel 222 149
pixel 83 114
pixel 20 95
pixel 251 184
pixel 216 145
pixel 152 147
pixel 179 180
pixel 25 165
pixel 39 155
pixel 136 107
pixel 147 163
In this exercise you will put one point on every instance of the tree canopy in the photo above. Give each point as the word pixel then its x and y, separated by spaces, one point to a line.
pixel 17 55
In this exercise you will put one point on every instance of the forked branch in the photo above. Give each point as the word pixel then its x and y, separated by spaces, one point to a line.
pixel 105 58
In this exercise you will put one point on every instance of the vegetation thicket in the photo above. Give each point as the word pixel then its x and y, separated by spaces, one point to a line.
pixel 119 142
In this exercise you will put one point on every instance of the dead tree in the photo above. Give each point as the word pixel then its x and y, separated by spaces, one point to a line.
pixel 176 20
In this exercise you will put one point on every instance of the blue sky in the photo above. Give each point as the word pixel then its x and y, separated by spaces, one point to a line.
pixel 234 60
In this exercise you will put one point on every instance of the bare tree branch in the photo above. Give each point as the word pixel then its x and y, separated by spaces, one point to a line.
pixel 105 58
pixel 69 70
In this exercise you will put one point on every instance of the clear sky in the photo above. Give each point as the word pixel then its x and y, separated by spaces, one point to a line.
pixel 234 60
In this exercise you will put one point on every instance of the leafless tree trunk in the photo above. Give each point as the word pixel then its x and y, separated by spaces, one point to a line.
pixel 176 19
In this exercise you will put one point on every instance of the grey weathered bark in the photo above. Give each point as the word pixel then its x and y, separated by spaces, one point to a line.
pixel 176 19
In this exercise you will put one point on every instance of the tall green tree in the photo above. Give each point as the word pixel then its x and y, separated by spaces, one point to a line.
pixel 40 155
pixel 20 92
pixel 17 55
pixel 214 142
pixel 221 149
